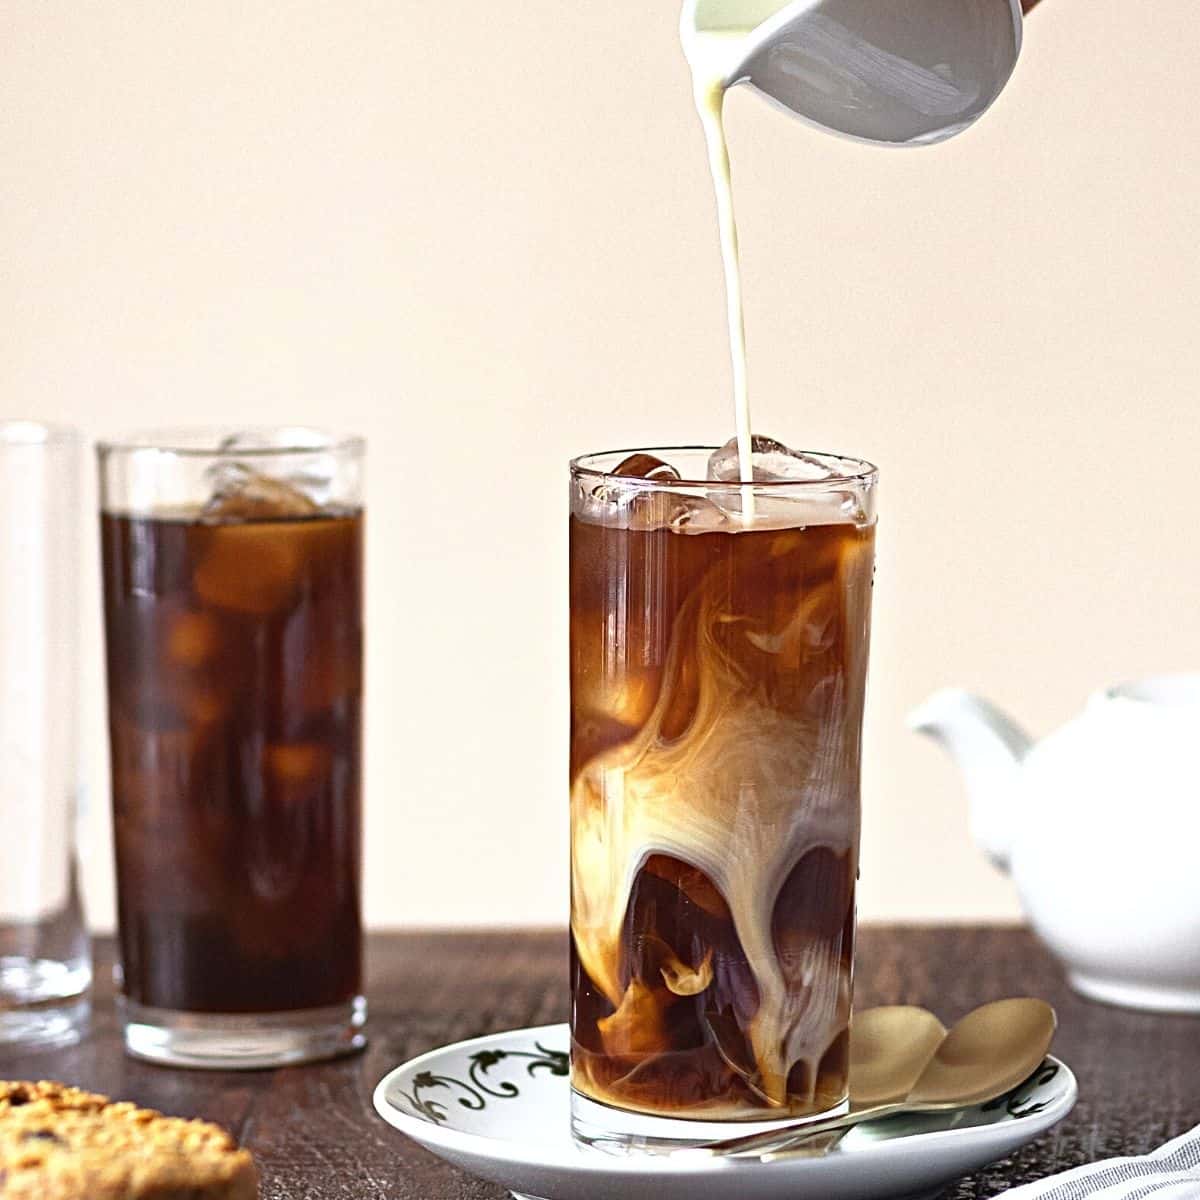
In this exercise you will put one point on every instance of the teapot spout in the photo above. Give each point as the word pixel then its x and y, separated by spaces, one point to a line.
pixel 988 747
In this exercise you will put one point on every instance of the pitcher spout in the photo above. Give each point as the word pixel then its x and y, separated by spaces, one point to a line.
pixel 988 747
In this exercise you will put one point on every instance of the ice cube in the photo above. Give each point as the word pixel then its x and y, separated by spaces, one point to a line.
pixel 297 768
pixel 240 494
pixel 631 506
pixel 652 510
pixel 772 462
pixel 646 466
pixel 697 514
pixel 248 567
pixel 854 510
pixel 193 639
pixel 628 506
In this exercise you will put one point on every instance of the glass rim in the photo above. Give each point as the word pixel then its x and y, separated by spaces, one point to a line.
pixel 17 434
pixel 860 472
pixel 207 442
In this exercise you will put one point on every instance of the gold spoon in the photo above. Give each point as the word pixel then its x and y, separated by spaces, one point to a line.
pixel 989 1052
pixel 889 1049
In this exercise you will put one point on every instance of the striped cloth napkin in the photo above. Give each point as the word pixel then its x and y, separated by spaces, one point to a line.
pixel 1172 1172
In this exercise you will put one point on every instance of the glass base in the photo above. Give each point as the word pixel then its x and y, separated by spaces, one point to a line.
pixel 43 1002
pixel 44 1028
pixel 618 1131
pixel 242 1041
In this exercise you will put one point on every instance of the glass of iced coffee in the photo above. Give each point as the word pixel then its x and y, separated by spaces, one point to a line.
pixel 719 634
pixel 232 568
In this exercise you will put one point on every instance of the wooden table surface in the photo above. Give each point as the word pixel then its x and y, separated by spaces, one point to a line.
pixel 316 1136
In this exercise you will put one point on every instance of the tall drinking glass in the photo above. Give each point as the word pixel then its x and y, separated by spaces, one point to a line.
pixel 719 637
pixel 233 613
pixel 45 966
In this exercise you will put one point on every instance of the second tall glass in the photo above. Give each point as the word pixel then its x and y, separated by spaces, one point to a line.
pixel 233 610
pixel 45 961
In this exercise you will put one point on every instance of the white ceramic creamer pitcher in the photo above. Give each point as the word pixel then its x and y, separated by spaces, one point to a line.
pixel 1099 826
pixel 902 72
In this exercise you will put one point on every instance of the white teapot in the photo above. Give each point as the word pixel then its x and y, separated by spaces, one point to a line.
pixel 1099 826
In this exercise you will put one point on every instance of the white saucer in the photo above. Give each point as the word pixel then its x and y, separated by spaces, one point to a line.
pixel 498 1107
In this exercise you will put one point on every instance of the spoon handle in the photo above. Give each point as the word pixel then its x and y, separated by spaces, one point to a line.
pixel 811 1145
pixel 784 1135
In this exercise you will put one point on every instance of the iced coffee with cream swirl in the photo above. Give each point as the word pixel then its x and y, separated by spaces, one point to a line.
pixel 719 634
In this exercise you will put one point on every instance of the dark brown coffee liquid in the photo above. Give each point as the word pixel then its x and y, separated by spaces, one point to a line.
pixel 717 689
pixel 235 689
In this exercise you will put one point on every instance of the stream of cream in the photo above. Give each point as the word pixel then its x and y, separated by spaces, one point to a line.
pixel 709 54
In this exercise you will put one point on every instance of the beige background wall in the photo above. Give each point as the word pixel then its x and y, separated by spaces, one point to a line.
pixel 488 229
